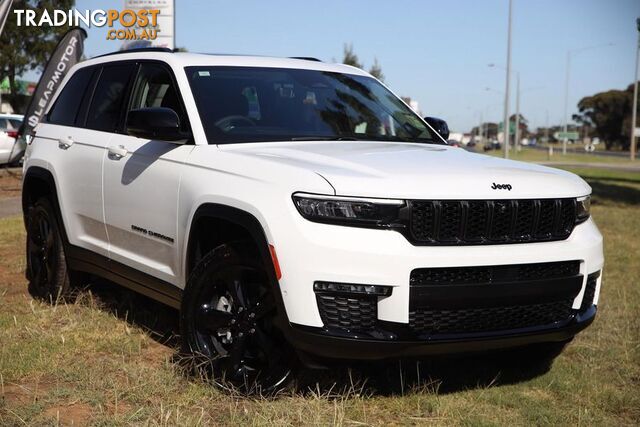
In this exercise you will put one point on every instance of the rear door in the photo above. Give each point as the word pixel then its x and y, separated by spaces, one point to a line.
pixel 76 152
pixel 141 182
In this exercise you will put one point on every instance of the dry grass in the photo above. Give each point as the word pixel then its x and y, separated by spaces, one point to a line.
pixel 83 363
pixel 10 182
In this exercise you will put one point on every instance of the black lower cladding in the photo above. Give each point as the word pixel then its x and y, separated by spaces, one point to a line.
pixel 459 302
pixel 589 291
pixel 492 298
pixel 351 313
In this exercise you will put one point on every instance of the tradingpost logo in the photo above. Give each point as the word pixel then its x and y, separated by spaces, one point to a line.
pixel 138 24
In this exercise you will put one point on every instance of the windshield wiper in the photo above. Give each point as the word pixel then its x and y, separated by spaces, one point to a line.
pixel 324 138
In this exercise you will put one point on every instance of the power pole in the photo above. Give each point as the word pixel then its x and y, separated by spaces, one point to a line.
pixel 517 135
pixel 546 129
pixel 566 104
pixel 632 147
pixel 506 92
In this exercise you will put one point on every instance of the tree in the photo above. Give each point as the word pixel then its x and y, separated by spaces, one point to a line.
pixel 349 57
pixel 376 70
pixel 23 48
pixel 609 114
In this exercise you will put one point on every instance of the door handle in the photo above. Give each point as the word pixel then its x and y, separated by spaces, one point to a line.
pixel 65 142
pixel 117 152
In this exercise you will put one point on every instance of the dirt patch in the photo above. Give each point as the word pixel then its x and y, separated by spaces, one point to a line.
pixel 76 414
pixel 10 183
pixel 15 394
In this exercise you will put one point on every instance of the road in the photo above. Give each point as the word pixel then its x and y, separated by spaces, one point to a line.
pixel 579 149
pixel 610 166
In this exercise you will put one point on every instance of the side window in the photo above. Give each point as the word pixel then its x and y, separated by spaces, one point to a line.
pixel 15 123
pixel 65 110
pixel 108 97
pixel 155 88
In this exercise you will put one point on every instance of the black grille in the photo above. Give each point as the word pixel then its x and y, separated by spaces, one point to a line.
pixel 590 291
pixel 355 314
pixel 469 320
pixel 494 274
pixel 490 221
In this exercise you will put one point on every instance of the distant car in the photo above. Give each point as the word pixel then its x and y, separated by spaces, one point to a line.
pixel 492 145
pixel 454 143
pixel 9 152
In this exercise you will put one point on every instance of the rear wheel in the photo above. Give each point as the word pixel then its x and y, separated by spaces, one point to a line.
pixel 46 263
pixel 227 318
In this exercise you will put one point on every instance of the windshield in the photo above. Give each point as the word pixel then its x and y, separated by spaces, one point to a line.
pixel 242 104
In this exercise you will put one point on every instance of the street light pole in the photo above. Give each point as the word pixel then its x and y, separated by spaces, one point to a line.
pixel 517 135
pixel 632 147
pixel 506 91
pixel 566 104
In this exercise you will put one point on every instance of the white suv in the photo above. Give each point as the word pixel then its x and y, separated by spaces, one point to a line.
pixel 291 204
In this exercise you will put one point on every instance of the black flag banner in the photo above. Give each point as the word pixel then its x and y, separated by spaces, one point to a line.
pixel 5 7
pixel 66 55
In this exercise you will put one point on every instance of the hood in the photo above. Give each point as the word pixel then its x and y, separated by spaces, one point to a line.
pixel 416 171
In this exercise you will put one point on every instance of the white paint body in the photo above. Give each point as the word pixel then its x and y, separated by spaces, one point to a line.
pixel 160 185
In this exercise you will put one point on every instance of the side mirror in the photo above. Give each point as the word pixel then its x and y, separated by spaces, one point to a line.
pixel 439 126
pixel 155 123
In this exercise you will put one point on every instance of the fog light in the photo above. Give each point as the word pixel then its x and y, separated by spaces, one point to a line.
pixel 352 288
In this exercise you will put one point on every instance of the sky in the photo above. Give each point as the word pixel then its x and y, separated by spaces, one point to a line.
pixel 436 52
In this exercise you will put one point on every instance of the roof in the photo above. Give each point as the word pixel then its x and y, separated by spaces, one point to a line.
pixel 183 59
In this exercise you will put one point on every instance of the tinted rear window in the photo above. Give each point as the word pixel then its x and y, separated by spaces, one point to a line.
pixel 65 110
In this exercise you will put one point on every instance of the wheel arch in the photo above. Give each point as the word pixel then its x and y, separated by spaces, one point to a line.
pixel 39 182
pixel 213 224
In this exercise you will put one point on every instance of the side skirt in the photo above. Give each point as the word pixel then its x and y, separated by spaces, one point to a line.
pixel 89 262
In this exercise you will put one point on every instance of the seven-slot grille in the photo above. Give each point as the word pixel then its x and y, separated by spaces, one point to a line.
pixel 475 222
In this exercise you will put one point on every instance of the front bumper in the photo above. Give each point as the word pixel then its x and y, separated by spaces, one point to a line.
pixel 310 252
pixel 322 343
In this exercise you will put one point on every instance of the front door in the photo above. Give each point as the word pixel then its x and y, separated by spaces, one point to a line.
pixel 141 183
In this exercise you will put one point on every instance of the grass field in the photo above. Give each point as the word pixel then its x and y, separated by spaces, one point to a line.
pixel 93 362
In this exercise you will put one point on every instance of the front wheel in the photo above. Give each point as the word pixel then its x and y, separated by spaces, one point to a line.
pixel 227 318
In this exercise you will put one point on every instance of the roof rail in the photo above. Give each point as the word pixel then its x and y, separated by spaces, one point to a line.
pixel 305 58
pixel 141 49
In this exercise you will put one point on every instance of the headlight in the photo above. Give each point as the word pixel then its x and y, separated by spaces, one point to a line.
pixel 583 208
pixel 348 210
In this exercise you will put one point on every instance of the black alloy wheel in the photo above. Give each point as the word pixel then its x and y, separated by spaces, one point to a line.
pixel 46 263
pixel 227 318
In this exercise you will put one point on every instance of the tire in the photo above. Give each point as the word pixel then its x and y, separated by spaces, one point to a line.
pixel 47 269
pixel 226 322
